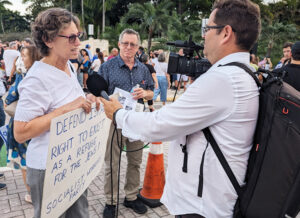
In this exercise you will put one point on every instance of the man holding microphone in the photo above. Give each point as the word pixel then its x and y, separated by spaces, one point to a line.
pixel 225 99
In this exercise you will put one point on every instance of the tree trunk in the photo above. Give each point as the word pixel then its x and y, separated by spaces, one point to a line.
pixel 179 7
pixel 82 17
pixel 71 6
pixel 270 46
pixel 149 39
pixel 2 24
pixel 103 16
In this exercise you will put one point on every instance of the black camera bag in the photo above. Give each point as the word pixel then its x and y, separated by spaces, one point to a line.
pixel 272 187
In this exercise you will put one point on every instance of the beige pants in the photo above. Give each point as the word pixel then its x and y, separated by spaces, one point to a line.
pixel 134 160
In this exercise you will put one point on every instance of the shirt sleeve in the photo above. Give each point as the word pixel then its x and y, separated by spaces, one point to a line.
pixel 34 100
pixel 151 68
pixel 149 79
pixel 207 101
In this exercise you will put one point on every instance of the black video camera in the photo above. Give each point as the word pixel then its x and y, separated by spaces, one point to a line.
pixel 187 64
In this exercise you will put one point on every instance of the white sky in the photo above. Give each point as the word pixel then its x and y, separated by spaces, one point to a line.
pixel 19 6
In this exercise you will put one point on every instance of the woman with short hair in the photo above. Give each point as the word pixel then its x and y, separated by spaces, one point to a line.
pixel 49 89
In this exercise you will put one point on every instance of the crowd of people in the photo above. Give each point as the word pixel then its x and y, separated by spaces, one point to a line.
pixel 47 77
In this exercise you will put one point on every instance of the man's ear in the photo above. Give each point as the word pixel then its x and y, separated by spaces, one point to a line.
pixel 228 34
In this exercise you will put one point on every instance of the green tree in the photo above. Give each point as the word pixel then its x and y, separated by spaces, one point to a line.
pixel 36 6
pixel 112 33
pixel 273 36
pixel 3 11
pixel 285 11
pixel 153 18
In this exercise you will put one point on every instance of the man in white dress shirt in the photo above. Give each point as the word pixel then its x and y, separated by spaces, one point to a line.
pixel 225 99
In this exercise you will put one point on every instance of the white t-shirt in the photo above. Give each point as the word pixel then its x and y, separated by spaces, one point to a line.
pixel 161 68
pixel 225 99
pixel 20 67
pixel 44 89
pixel 9 57
pixel 96 65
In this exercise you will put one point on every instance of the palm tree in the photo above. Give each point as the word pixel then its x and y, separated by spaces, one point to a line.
pixel 154 18
pixel 2 11
pixel 112 33
pixel 273 36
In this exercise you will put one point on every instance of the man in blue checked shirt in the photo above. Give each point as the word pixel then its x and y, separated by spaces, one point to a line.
pixel 125 72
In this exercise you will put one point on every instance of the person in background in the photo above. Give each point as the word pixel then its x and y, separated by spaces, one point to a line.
pixel 4 46
pixel 151 57
pixel 18 65
pixel 97 63
pixel 10 55
pixel 181 77
pixel 163 78
pixel 85 65
pixel 96 54
pixel 2 122
pixel 114 53
pixel 254 61
pixel 266 63
pixel 292 69
pixel 27 42
pixel 50 89
pixel 145 60
pixel 139 53
pixel 105 54
pixel 88 50
pixel 17 151
pixel 287 54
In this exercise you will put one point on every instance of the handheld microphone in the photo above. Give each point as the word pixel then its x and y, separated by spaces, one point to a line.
pixel 97 86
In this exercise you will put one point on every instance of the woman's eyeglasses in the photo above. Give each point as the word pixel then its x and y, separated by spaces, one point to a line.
pixel 72 37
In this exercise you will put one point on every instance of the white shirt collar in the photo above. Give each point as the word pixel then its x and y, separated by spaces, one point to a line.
pixel 242 57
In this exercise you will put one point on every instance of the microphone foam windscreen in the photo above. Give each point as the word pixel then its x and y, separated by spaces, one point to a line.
pixel 96 84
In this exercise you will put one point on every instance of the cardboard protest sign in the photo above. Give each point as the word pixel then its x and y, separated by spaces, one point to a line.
pixel 75 157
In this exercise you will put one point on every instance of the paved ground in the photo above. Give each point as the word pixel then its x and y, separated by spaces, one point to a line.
pixel 12 202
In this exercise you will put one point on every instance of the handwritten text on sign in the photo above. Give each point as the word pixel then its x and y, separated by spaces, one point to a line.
pixel 75 157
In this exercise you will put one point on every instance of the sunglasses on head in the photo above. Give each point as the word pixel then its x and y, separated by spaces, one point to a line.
pixel 72 37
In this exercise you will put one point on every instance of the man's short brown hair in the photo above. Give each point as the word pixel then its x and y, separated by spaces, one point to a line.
pixel 287 44
pixel 244 18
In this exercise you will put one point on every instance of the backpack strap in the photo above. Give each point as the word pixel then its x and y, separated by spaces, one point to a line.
pixel 244 67
pixel 209 137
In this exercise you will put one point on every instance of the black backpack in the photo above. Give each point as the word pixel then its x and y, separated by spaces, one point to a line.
pixel 272 187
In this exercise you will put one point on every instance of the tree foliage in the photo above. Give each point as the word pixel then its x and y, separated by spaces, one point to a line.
pixel 273 36
pixel 153 18
pixel 161 20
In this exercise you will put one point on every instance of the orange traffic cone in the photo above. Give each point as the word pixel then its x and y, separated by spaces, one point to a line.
pixel 154 180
